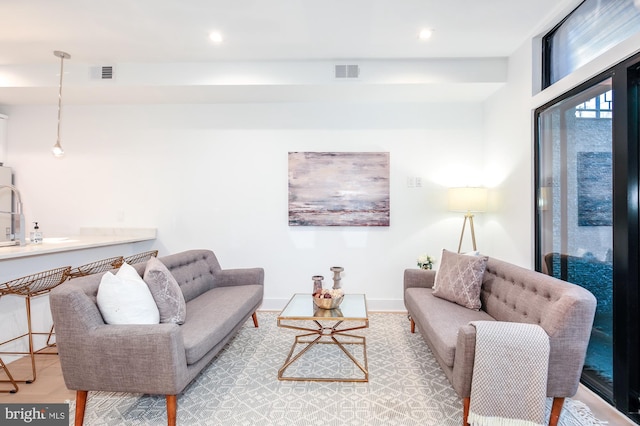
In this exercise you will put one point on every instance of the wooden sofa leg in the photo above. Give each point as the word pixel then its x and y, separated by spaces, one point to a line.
pixel 556 409
pixel 81 403
pixel 255 320
pixel 172 409
pixel 413 326
pixel 465 410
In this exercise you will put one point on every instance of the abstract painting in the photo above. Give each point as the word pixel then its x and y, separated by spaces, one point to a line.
pixel 339 188
pixel 595 189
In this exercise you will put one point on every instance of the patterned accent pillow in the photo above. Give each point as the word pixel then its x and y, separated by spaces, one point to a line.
pixel 459 279
pixel 166 292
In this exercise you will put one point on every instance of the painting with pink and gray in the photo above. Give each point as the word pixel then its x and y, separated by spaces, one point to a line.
pixel 339 188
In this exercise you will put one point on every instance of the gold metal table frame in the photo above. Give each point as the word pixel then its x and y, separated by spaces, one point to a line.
pixel 301 308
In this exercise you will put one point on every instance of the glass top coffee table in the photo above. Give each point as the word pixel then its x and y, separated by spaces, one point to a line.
pixel 325 326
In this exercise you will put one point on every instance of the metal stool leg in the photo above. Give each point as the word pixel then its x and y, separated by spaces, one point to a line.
pixel 27 301
pixel 32 286
pixel 11 380
pixel 51 333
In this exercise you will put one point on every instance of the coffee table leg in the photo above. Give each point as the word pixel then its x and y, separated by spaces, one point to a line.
pixel 317 340
pixel 365 368
pixel 290 360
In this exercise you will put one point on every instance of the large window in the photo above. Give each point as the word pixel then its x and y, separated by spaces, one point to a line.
pixel 591 29
pixel 588 218
pixel 576 207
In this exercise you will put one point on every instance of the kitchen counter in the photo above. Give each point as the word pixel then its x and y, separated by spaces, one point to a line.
pixel 91 244
pixel 88 238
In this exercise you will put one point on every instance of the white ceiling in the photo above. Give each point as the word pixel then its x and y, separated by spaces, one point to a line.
pixel 163 32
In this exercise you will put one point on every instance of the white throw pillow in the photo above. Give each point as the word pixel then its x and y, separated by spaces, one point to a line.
pixel 125 298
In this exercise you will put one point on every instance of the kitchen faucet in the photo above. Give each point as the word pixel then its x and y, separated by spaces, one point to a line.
pixel 19 232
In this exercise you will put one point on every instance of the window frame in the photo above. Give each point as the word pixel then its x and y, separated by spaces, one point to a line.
pixel 625 392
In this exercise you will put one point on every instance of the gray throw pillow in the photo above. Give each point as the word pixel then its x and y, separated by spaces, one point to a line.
pixel 459 279
pixel 166 292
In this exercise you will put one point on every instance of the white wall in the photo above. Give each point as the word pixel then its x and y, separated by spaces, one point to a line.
pixel 509 164
pixel 509 146
pixel 215 176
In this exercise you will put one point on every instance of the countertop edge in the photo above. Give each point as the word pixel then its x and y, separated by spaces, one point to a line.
pixel 80 242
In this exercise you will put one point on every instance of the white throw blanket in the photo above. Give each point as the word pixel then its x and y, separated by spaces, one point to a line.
pixel 509 385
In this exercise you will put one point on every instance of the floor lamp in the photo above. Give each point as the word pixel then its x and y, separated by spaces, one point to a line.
pixel 468 200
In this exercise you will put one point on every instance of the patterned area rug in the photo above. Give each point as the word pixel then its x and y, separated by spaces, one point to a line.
pixel 240 387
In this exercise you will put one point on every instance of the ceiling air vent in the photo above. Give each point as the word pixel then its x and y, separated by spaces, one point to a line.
pixel 105 72
pixel 347 71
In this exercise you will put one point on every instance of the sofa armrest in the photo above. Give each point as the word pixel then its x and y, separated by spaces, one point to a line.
pixel 240 276
pixel 464 360
pixel 568 324
pixel 125 358
pixel 419 278
pixel 98 356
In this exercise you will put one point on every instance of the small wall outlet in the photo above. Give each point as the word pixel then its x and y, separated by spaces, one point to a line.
pixel 414 182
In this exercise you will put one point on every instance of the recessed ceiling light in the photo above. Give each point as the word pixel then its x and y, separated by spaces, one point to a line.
pixel 425 34
pixel 216 37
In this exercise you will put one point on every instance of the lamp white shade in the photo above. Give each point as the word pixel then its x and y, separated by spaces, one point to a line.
pixel 468 199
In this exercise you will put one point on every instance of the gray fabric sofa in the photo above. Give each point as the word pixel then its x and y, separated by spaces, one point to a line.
pixel 509 293
pixel 159 358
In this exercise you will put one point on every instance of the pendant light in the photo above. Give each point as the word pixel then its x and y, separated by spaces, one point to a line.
pixel 57 148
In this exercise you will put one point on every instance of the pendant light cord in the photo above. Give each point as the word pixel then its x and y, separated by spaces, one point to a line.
pixel 60 94
pixel 57 148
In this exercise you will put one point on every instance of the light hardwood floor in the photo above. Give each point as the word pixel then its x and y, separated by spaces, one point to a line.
pixel 49 387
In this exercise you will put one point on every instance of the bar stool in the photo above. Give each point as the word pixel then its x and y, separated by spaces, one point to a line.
pixel 141 257
pixel 28 287
pixel 97 267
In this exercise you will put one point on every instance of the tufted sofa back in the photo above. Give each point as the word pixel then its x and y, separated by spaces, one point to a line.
pixel 194 271
pixel 564 310
pixel 512 293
